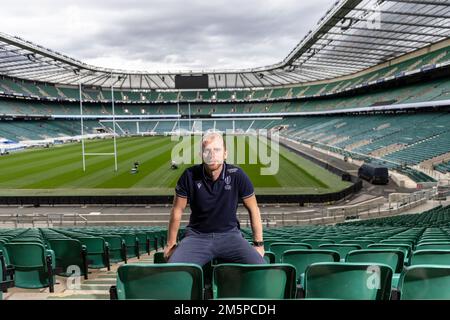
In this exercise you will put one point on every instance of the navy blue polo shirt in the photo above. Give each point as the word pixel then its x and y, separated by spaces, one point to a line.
pixel 214 203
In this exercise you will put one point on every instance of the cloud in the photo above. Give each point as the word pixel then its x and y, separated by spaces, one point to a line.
pixel 166 35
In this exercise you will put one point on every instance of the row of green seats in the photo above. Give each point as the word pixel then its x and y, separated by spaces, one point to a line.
pixel 33 261
pixel 324 280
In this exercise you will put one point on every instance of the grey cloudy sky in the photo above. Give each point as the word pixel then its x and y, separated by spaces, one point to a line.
pixel 161 35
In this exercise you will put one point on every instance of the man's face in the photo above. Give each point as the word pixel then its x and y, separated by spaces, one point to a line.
pixel 213 153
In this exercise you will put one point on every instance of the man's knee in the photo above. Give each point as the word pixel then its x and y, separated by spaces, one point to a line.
pixel 243 252
pixel 191 252
pixel 253 257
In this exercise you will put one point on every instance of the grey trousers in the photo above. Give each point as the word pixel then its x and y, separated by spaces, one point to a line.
pixel 200 248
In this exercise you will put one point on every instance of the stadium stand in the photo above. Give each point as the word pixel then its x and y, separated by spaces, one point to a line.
pixel 403 248
pixel 386 104
pixel 435 90
pixel 47 90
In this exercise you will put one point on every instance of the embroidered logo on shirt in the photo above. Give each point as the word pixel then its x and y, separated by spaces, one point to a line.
pixel 227 183
pixel 232 170
pixel 199 185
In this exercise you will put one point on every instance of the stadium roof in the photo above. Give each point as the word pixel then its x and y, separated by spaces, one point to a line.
pixel 352 36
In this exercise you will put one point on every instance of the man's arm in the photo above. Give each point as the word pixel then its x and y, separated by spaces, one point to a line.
pixel 179 204
pixel 251 205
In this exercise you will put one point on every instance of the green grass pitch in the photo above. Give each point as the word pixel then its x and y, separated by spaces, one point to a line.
pixel 58 171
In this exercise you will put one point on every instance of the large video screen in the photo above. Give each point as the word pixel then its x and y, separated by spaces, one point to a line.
pixel 191 81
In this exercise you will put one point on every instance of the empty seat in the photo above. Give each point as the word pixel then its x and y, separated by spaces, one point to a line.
pixel 425 282
pixel 315 243
pixel 268 242
pixel 341 248
pixel 34 265
pixel 69 253
pixel 170 281
pixel 254 281
pixel 7 268
pixel 362 243
pixel 279 247
pixel 399 242
pixel 301 259
pixel 132 244
pixel 435 257
pixel 143 243
pixel 404 247
pixel 269 257
pixel 433 245
pixel 117 248
pixel 392 257
pixel 97 252
pixel 5 281
pixel 353 281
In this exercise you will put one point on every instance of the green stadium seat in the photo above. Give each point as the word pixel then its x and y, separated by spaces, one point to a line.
pixel 375 239
pixel 431 256
pixel 97 252
pixel 362 243
pixel 269 257
pixel 404 247
pixel 251 281
pixel 342 248
pixel 434 239
pixel 6 278
pixel 34 265
pixel 316 243
pixel 302 258
pixel 433 245
pixel 392 257
pixel 132 244
pixel 68 253
pixel 399 241
pixel 143 245
pixel 117 248
pixel 422 282
pixel 279 247
pixel 7 268
pixel 170 281
pixel 269 241
pixel 350 281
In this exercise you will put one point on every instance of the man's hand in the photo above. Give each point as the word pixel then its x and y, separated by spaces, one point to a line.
pixel 168 250
pixel 260 250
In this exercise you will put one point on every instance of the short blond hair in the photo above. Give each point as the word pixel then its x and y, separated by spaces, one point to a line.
pixel 211 135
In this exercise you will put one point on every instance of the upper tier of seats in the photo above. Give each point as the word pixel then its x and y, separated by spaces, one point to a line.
pixel 423 92
pixel 394 70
